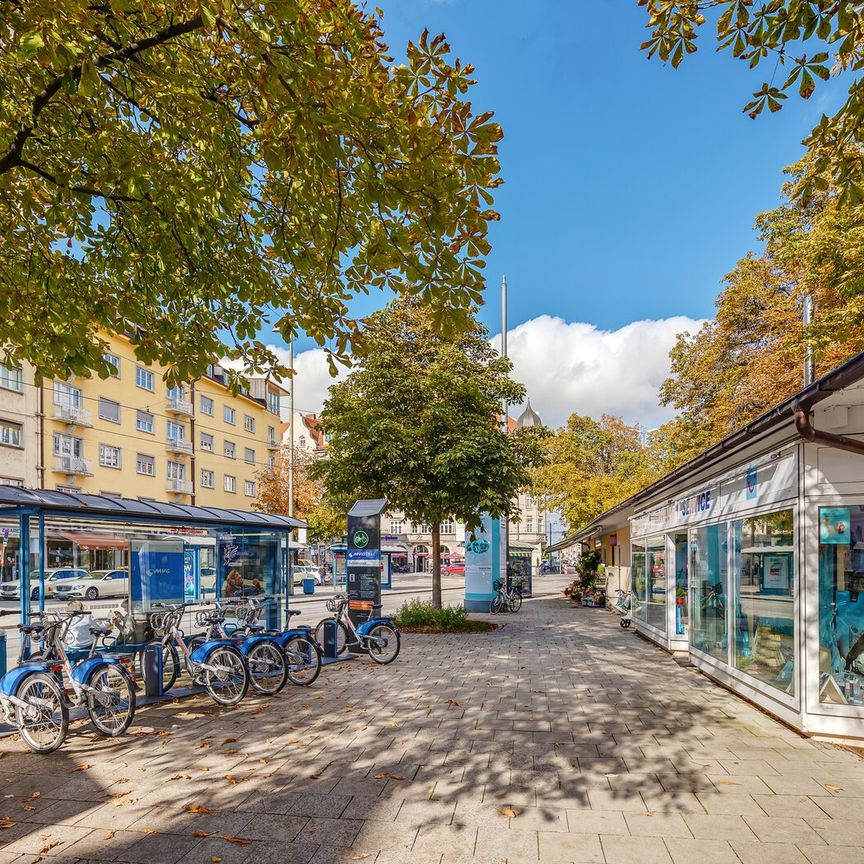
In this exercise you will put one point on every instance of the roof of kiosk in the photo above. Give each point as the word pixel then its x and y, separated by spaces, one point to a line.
pixel 845 376
pixel 134 509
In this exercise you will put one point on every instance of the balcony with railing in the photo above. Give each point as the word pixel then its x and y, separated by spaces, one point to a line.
pixel 179 487
pixel 178 405
pixel 73 415
pixel 178 445
pixel 273 443
pixel 72 465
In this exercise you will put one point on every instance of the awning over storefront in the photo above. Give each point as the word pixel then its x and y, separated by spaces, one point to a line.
pixel 92 541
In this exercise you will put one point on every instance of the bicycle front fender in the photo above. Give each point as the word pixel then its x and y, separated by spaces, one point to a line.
pixel 366 626
pixel 14 678
pixel 202 652
pixel 250 642
pixel 82 672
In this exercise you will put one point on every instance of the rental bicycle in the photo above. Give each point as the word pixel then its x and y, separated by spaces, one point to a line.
pixel 103 684
pixel 268 668
pixel 377 637
pixel 32 701
pixel 506 598
pixel 302 652
pixel 216 664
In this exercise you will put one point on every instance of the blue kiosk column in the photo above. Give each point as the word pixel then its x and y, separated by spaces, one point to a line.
pixel 485 563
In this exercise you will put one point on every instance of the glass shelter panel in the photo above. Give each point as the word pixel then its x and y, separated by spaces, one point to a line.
pixel 764 621
pixel 640 582
pixel 679 544
pixel 656 593
pixel 709 582
pixel 841 604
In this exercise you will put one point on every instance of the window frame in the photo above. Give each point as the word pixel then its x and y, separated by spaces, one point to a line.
pixel 228 411
pixel 107 401
pixel 139 428
pixel 12 425
pixel 210 402
pixel 232 484
pixel 139 463
pixel 5 380
pixel 142 371
pixel 103 448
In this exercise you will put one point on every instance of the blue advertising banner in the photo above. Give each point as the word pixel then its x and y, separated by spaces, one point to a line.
pixel 835 525
pixel 484 562
pixel 157 571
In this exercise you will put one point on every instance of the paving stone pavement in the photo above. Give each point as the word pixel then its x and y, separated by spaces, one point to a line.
pixel 557 738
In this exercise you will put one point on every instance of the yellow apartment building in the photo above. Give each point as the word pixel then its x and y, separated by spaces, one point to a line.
pixel 132 435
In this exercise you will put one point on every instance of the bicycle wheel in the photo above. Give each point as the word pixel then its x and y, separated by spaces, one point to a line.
pixel 383 643
pixel 43 723
pixel 225 675
pixel 268 669
pixel 497 605
pixel 515 601
pixel 112 706
pixel 303 660
pixel 343 637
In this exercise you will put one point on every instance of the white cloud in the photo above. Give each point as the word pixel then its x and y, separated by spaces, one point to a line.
pixel 573 366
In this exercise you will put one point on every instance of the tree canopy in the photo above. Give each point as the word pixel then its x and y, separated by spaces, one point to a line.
pixel 800 43
pixel 190 174
pixel 416 422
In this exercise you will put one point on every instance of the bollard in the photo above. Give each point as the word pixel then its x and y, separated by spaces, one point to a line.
pixel 2 653
pixel 151 666
pixel 329 647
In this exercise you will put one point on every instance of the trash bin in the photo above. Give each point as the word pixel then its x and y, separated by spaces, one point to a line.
pixel 308 586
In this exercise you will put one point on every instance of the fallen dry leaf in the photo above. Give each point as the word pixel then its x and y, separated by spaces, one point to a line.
pixel 36 795
pixel 726 783
pixel 228 752
pixel 509 812
pixel 228 741
pixel 180 777
pixel 121 794
pixel 6 822
pixel 49 846
pixel 28 807
pixel 833 787
pixel 121 780
pixel 205 746
pixel 215 859
pixel 109 835
pixel 231 779
pixel 239 841
pixel 82 767
pixel 198 808
pixel 201 833
pixel 362 857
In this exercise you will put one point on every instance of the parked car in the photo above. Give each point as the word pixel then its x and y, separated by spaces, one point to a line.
pixel 307 571
pixel 454 568
pixel 100 583
pixel 53 578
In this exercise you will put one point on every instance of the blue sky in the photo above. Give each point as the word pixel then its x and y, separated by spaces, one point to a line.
pixel 630 188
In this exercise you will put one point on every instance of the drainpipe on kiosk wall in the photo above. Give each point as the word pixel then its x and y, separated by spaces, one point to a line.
pixel 814 436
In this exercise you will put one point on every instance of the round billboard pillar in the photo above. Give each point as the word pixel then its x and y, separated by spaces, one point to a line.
pixel 485 563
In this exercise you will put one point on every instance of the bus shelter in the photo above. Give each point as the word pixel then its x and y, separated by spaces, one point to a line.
pixel 111 553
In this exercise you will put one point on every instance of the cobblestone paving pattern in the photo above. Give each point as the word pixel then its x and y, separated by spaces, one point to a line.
pixel 557 738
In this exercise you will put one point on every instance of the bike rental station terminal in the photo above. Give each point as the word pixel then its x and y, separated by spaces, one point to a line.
pixel 750 557
pixel 53 542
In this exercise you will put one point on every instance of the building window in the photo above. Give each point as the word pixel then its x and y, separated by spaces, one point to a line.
pixel 447 526
pixel 66 395
pixel 145 379
pixel 273 401
pixel 145 465
pixel 207 405
pixel 229 484
pixel 655 563
pixel 208 478
pixel 709 575
pixel 10 433
pixel 10 378
pixel 177 393
pixel 529 524
pixel 109 410
pixel 539 524
pixel 529 501
pixel 249 455
pixel 229 449
pixel 176 431
pixel 301 442
pixel 764 583
pixel 397 526
pixel 271 436
pixel 144 422
pixel 421 528
pixel 207 442
pixel 113 361
pixel 68 445
pixel 176 470
pixel 271 462
pixel 229 415
pixel 249 423
pixel 249 488
pixel 109 457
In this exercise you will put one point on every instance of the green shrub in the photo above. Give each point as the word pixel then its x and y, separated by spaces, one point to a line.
pixel 422 615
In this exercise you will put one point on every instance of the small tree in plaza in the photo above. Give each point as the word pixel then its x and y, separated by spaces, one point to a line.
pixel 194 173
pixel 417 422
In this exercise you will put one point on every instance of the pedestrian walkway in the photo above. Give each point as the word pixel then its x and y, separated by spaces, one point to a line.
pixel 557 738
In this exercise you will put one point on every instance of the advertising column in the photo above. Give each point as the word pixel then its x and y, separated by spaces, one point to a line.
pixel 485 562
pixel 363 558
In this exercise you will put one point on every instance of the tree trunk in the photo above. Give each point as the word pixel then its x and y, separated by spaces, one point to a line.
pixel 436 565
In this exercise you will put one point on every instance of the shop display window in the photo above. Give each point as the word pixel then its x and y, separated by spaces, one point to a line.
pixel 710 583
pixel 640 582
pixel 679 542
pixel 764 620
pixel 841 604
pixel 656 589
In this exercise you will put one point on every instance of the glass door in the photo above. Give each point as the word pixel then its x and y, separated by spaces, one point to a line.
pixel 679 562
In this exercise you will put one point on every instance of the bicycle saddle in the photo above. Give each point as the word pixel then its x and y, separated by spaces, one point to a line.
pixel 31 628
pixel 99 630
pixel 290 612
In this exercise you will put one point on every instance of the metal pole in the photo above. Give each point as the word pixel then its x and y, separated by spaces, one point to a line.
pixel 506 532
pixel 809 365
pixel 291 429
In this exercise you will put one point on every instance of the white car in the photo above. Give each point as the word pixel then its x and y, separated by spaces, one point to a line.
pixel 53 579
pixel 99 583
pixel 299 572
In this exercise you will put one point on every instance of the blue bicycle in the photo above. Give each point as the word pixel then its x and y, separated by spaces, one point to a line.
pixel 32 701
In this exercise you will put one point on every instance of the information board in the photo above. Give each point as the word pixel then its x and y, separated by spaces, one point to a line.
pixel 363 559
pixel 157 571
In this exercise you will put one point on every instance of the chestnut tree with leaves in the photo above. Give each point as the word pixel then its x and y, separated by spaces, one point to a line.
pixel 201 172
pixel 417 422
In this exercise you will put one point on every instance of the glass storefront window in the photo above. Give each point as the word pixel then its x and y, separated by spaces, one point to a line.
pixel 679 542
pixel 639 580
pixel 841 604
pixel 764 622
pixel 709 578
pixel 656 594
